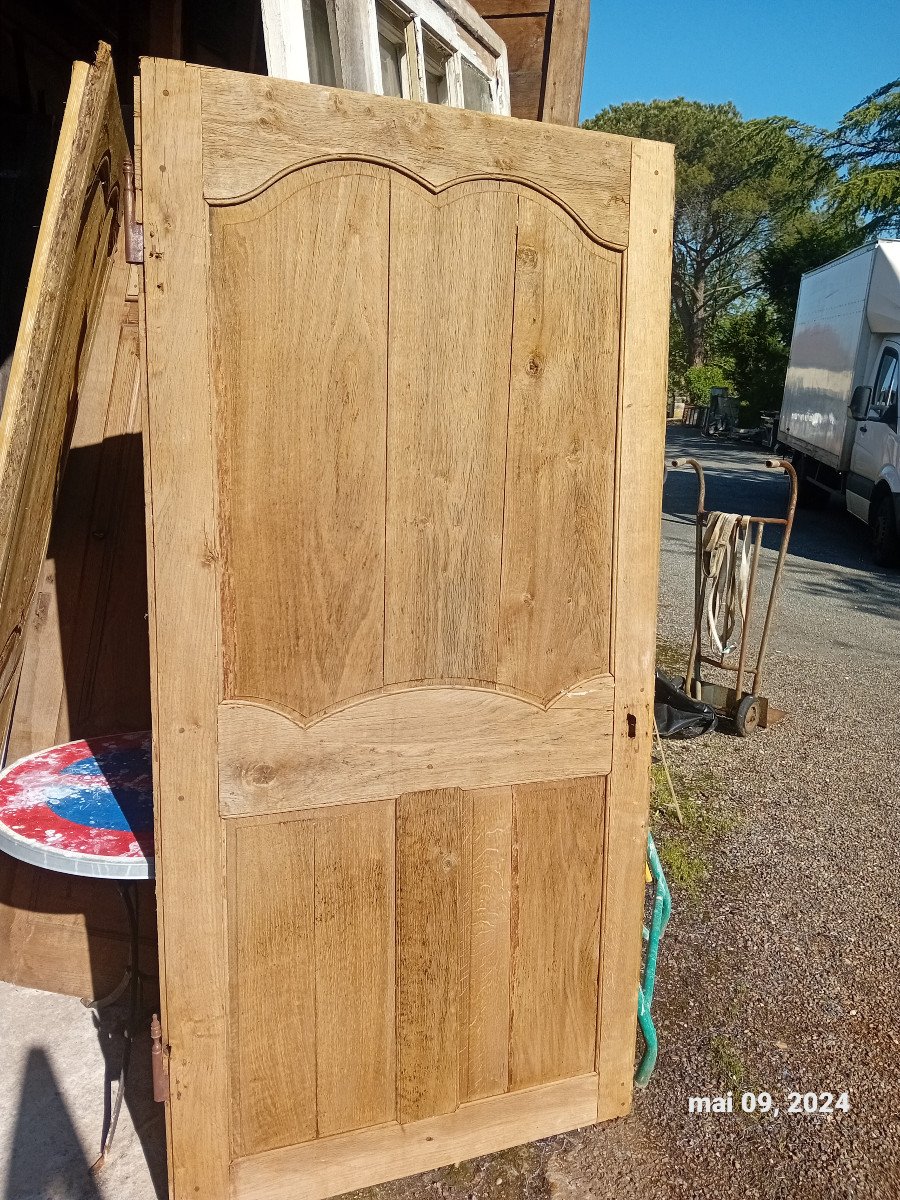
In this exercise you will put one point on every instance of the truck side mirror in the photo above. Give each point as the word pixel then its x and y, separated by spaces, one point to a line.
pixel 860 401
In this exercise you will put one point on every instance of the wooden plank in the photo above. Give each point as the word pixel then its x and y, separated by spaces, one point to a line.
pixel 525 35
pixel 115 662
pixel 546 43
pixel 266 127
pixel 332 1166
pixel 71 265
pixel 73 682
pixel 642 424
pixel 567 47
pixel 491 9
pixel 464 941
pixel 272 968
pixel 86 667
pixel 451 315
pixel 285 40
pixel 557 535
pixel 306 335
pixel 178 447
pixel 486 886
pixel 428 853
pixel 41 712
pixel 355 967
pixel 409 740
pixel 64 934
pixel 357 45
pixel 557 879
pixel 164 34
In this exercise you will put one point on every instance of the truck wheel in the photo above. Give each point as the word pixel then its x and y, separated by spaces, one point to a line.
pixel 885 542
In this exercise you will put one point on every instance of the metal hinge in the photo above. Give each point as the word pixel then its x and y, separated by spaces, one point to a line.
pixel 134 231
pixel 159 1062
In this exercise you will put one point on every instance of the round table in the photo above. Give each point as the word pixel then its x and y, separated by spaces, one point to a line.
pixel 86 808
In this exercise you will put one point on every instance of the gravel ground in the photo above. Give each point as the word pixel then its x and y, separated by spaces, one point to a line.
pixel 779 968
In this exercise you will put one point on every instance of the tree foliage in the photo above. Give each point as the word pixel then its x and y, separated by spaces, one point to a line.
pixel 812 239
pixel 865 150
pixel 736 182
pixel 697 381
pixel 757 204
pixel 756 355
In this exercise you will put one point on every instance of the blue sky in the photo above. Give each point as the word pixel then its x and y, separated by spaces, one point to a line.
pixel 806 59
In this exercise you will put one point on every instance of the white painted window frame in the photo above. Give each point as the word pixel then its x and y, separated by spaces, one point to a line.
pixel 453 23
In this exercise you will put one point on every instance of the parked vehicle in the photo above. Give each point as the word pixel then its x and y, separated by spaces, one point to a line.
pixel 839 415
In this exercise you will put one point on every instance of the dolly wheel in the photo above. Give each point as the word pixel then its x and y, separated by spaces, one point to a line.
pixel 746 719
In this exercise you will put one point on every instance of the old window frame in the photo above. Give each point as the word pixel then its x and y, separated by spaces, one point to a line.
pixel 452 24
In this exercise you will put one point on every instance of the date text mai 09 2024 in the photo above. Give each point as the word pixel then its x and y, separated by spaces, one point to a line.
pixel 796 1104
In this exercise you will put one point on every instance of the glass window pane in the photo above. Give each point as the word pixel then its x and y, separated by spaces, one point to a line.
pixel 392 51
pixel 476 89
pixel 436 86
pixel 435 70
pixel 391 75
pixel 319 47
pixel 883 404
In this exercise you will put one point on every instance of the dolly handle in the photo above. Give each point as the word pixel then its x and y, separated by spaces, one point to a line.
pixel 701 478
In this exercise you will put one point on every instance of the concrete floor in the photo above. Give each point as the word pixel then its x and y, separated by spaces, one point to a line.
pixel 54 1058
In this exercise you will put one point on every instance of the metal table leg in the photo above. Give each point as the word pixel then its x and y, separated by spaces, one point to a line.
pixel 132 981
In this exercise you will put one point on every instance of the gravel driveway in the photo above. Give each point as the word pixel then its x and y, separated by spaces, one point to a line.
pixel 780 968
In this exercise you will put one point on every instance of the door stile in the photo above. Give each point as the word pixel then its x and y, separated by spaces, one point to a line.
pixel 182 473
pixel 641 447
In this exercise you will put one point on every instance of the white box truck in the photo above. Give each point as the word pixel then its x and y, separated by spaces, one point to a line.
pixel 839 414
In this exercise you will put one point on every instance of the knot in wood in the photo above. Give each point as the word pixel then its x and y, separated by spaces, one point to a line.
pixel 259 774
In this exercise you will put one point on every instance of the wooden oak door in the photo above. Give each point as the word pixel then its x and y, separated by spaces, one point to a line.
pixel 73 630
pixel 72 262
pixel 404 436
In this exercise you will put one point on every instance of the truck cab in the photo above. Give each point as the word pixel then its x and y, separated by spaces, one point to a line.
pixel 873 481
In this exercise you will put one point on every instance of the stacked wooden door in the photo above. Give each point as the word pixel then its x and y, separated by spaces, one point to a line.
pixel 72 263
pixel 404 435
pixel 73 640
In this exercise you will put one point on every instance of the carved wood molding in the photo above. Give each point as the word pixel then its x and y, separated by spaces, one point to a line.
pixel 435 189
pixel 408 740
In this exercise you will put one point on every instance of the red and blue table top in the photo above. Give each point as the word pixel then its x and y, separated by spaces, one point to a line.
pixel 85 808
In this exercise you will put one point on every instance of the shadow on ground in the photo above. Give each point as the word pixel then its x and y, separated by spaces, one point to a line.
pixel 47 1157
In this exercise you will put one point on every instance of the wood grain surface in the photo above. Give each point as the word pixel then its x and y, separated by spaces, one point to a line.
pixel 332 1166
pixel 85 667
pixel 72 260
pixel 485 945
pixel 428 892
pixel 306 338
pixel 402 577
pixel 406 740
pixel 557 532
pixel 564 70
pixel 557 845
pixel 272 958
pixel 355 967
pixel 642 424
pixel 265 127
pixel 185 631
pixel 450 316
